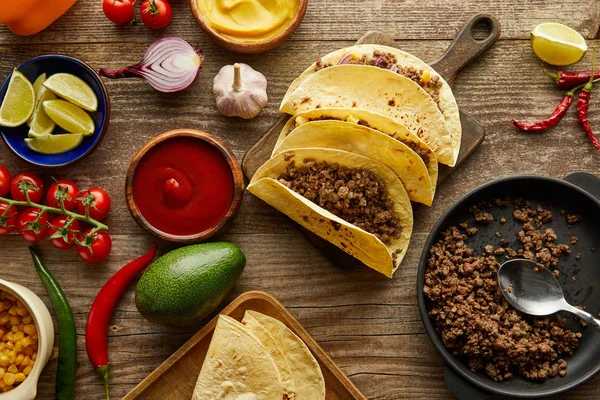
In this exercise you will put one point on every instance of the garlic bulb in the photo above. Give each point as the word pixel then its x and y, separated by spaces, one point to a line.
pixel 240 91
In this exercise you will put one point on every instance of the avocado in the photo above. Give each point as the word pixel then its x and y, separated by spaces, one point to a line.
pixel 185 285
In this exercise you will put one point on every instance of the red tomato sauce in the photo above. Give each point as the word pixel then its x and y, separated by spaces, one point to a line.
pixel 183 186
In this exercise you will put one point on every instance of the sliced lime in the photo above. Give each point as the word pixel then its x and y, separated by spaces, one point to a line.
pixel 69 117
pixel 54 144
pixel 73 89
pixel 557 44
pixel 19 101
pixel 39 122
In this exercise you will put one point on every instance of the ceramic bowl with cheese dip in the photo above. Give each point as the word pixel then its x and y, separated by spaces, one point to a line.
pixel 249 26
pixel 26 341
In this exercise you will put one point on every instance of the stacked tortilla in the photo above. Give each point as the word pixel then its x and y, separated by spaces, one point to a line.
pixel 258 359
pixel 370 124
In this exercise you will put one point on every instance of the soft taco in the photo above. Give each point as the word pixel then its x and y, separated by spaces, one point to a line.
pixel 402 63
pixel 305 370
pixel 379 123
pixel 405 163
pixel 276 352
pixel 380 91
pixel 237 366
pixel 355 202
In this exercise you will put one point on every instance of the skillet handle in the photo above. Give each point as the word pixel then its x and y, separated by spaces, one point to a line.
pixel 465 48
pixel 461 389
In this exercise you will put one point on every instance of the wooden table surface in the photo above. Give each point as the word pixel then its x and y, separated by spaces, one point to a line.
pixel 369 324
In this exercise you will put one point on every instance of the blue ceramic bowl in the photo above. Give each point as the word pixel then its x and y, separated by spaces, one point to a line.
pixel 52 64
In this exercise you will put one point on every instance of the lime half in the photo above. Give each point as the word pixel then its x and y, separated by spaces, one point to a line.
pixel 557 44
pixel 69 117
pixel 19 101
pixel 54 144
pixel 73 89
pixel 39 123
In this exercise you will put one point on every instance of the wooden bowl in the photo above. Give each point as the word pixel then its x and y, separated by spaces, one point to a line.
pixel 250 47
pixel 236 171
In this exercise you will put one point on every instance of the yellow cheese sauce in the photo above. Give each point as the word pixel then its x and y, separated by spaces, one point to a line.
pixel 248 20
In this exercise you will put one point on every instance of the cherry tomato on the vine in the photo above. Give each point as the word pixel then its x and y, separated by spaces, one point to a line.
pixel 34 195
pixel 101 207
pixel 72 191
pixel 5 180
pixel 118 11
pixel 156 14
pixel 35 231
pixel 59 222
pixel 101 247
pixel 10 219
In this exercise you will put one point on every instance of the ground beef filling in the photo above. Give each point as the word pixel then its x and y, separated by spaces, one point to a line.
pixel 385 60
pixel 473 317
pixel 355 195
pixel 421 152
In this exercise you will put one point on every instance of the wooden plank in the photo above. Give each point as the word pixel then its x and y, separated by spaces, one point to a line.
pixel 340 20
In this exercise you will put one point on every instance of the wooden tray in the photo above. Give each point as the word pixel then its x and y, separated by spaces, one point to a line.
pixel 461 52
pixel 175 379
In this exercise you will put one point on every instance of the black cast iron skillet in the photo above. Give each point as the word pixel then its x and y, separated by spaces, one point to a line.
pixel 578 194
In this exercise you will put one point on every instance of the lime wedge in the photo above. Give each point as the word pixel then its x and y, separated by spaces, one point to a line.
pixel 19 101
pixel 37 84
pixel 54 144
pixel 557 44
pixel 73 89
pixel 69 117
pixel 39 122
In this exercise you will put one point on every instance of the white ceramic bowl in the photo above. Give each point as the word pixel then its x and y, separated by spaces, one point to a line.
pixel 27 390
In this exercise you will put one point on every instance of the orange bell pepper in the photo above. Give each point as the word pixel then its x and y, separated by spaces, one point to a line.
pixel 28 17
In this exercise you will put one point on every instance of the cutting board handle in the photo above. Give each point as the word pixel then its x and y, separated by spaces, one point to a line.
pixel 465 48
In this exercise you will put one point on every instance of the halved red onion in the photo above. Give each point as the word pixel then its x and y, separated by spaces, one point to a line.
pixel 394 68
pixel 170 65
pixel 346 57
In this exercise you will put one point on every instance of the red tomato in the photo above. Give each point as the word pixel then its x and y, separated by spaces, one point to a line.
pixel 10 219
pixel 156 14
pixel 100 248
pixel 31 177
pixel 118 11
pixel 28 234
pixel 59 242
pixel 99 210
pixel 72 192
pixel 5 179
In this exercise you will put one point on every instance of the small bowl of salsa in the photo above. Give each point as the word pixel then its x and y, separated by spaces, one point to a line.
pixel 249 26
pixel 184 186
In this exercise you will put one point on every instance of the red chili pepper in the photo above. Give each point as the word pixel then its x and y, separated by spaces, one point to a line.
pixel 556 116
pixel 567 79
pixel 103 308
pixel 583 102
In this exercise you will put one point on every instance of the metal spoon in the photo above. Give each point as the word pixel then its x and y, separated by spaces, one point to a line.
pixel 531 288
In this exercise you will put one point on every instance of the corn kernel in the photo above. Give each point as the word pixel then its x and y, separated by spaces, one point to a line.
pixel 28 319
pixel 10 345
pixel 14 320
pixel 13 369
pixel 2 372
pixel 25 361
pixel 18 347
pixel 353 118
pixel 13 310
pixel 27 370
pixel 9 378
pixel 12 356
pixel 4 360
pixel 2 385
pixel 425 77
pixel 20 358
pixel 4 318
pixel 18 336
pixel 30 329
pixel 20 377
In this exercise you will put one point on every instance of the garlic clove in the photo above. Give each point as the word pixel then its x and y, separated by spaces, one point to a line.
pixel 240 91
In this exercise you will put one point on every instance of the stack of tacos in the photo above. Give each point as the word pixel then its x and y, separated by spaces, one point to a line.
pixel 370 124
pixel 259 358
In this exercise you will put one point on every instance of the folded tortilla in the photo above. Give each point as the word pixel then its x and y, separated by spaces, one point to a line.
pixel 237 366
pixel 380 91
pixel 276 352
pixel 354 138
pixel 407 65
pixel 365 246
pixel 310 384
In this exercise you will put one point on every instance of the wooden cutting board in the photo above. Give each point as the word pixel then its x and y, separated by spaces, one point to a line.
pixel 463 50
pixel 175 379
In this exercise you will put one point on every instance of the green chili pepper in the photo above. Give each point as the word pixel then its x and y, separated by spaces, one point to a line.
pixel 67 339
